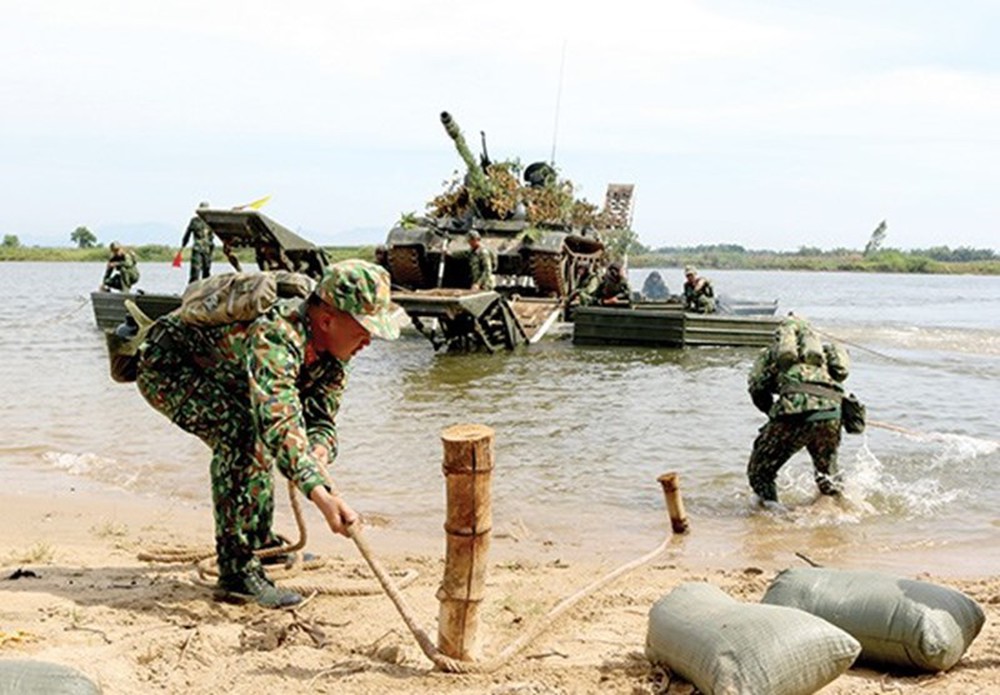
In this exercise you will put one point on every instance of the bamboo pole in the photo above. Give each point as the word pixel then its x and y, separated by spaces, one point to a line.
pixel 468 468
pixel 675 505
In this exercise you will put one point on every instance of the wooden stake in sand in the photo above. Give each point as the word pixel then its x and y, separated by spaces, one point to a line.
pixel 675 505
pixel 468 469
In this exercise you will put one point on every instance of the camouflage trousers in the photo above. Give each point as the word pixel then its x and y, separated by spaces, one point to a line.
pixel 242 483
pixel 118 279
pixel 780 439
pixel 201 264
pixel 702 305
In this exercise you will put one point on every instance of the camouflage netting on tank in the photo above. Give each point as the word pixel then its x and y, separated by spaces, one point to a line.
pixel 551 204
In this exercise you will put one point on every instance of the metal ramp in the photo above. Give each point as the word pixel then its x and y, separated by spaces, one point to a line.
pixel 617 213
pixel 461 320
pixel 276 247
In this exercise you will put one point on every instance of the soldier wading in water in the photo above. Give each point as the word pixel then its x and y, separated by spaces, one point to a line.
pixel 262 393
pixel 796 382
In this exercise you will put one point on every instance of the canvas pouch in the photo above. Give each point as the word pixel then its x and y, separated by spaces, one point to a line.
pixel 852 414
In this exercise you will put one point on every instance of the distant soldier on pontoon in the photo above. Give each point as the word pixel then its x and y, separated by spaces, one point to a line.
pixel 654 287
pixel 122 270
pixel 613 289
pixel 699 295
pixel 480 263
pixel 202 246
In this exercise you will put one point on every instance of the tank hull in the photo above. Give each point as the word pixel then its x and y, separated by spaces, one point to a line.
pixel 529 261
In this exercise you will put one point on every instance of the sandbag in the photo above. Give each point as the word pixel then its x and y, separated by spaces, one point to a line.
pixel 23 677
pixel 726 647
pixel 899 622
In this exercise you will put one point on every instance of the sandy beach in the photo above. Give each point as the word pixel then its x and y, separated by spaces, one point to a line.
pixel 83 599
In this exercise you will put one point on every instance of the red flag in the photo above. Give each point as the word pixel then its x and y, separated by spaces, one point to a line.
pixel 178 259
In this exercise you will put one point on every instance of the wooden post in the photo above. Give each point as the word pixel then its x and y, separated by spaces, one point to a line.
pixel 468 468
pixel 675 505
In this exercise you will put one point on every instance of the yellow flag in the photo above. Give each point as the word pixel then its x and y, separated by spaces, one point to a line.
pixel 255 205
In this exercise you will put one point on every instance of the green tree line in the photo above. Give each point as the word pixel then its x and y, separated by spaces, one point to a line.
pixel 873 258
pixel 940 259
pixel 153 253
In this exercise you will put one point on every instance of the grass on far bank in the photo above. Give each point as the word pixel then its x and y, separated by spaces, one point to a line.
pixel 885 261
pixel 156 253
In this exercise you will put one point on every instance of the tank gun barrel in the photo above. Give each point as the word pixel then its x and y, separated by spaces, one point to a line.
pixel 476 181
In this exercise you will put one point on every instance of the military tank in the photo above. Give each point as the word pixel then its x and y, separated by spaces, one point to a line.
pixel 537 231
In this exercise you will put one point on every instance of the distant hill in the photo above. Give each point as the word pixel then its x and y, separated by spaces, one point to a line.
pixel 137 233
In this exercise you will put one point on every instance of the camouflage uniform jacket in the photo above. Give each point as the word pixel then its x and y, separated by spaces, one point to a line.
pixel 481 268
pixel 586 289
pixel 201 235
pixel 609 288
pixel 700 298
pixel 293 404
pixel 766 381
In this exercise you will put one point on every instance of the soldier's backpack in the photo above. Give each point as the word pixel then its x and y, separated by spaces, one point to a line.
pixel 213 301
pixel 239 297
pixel 795 342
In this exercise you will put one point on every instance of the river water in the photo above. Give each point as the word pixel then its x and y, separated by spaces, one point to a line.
pixel 581 433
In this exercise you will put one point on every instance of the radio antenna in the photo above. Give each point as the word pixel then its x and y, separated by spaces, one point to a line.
pixel 555 126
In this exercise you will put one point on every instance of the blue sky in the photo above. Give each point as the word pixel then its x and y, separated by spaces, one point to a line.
pixel 767 124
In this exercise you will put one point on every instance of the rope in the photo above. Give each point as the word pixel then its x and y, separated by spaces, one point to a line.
pixel 392 588
pixel 922 435
pixel 59 318
pixel 205 563
pixel 863 348
pixel 451 665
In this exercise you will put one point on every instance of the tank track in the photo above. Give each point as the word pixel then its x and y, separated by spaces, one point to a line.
pixel 404 267
pixel 548 272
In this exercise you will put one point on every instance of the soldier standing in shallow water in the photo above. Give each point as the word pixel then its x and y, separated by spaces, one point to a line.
pixel 263 393
pixel 202 246
pixel 796 382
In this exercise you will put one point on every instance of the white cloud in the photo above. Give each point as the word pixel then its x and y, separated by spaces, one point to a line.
pixel 722 114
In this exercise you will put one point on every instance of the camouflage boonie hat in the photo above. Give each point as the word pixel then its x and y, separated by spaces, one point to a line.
pixel 361 289
pixel 690 270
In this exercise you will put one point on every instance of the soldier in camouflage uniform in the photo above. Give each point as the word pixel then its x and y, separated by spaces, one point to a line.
pixel 613 288
pixel 699 295
pixel 801 395
pixel 480 263
pixel 122 270
pixel 266 393
pixel 585 284
pixel 202 246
